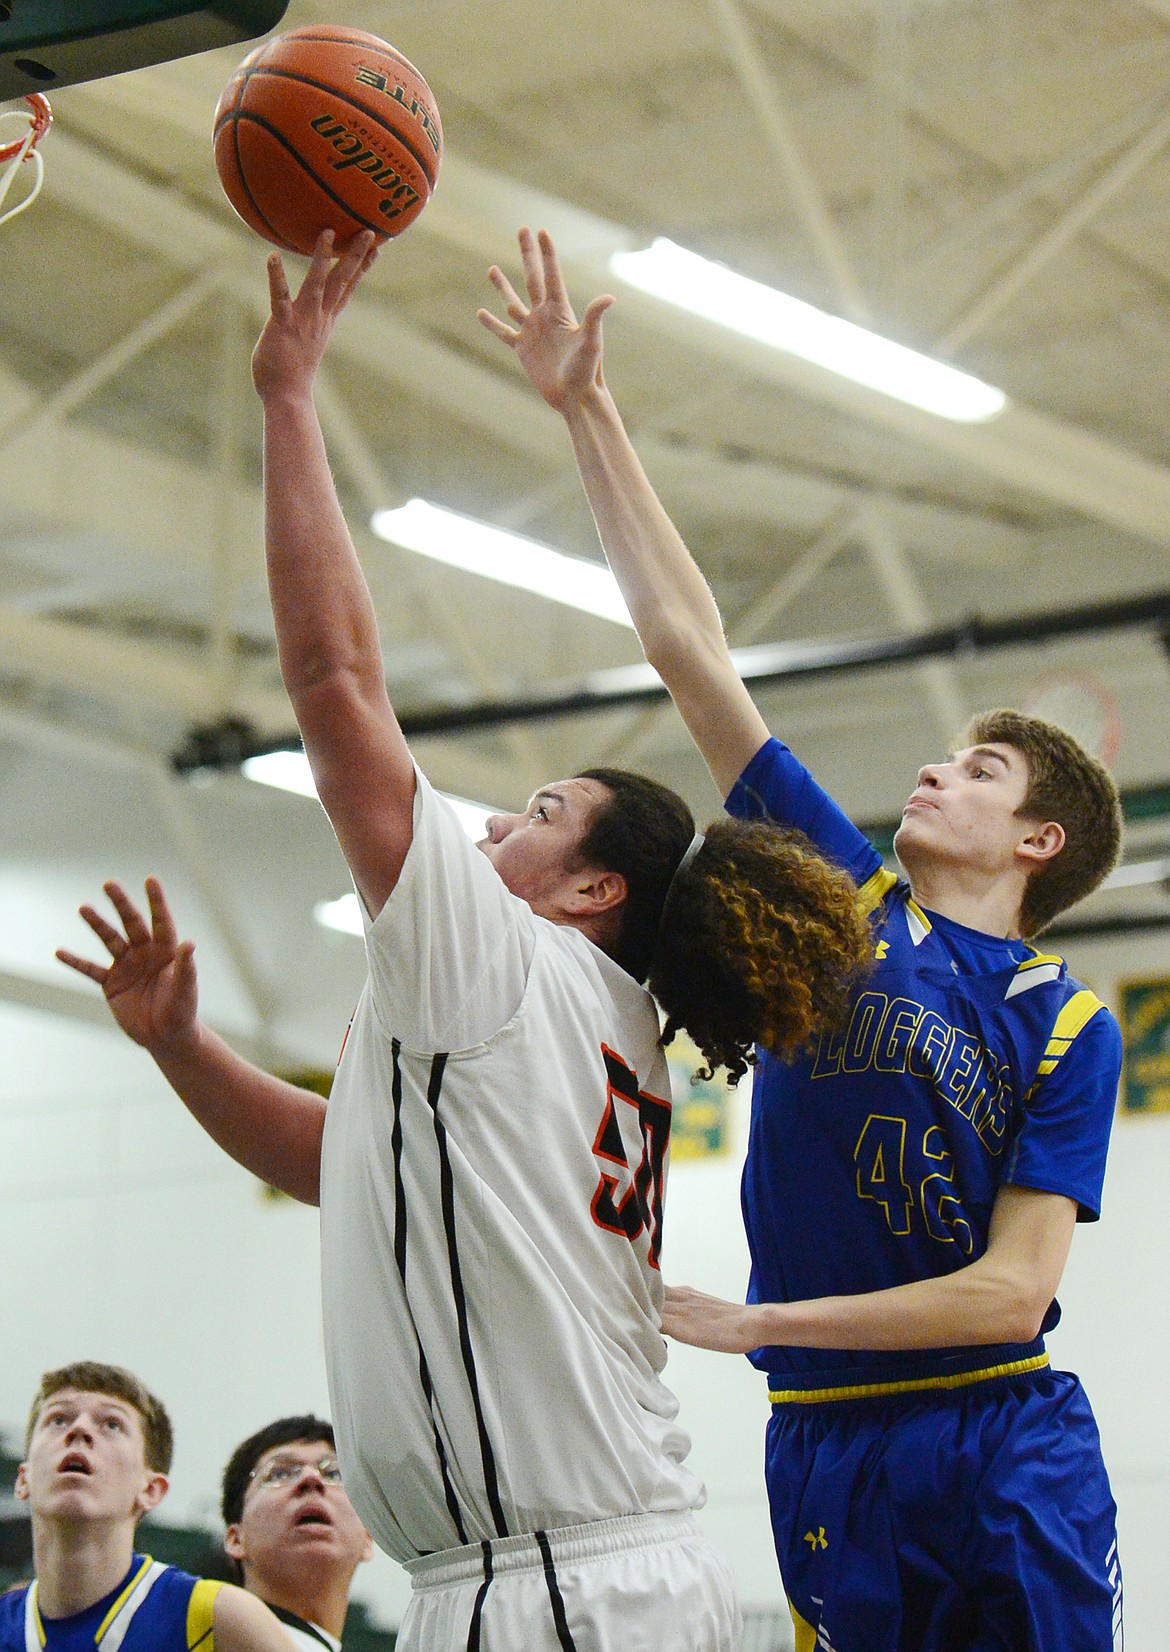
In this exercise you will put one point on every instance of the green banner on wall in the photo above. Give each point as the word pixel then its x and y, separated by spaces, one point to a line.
pixel 1145 1025
pixel 700 1123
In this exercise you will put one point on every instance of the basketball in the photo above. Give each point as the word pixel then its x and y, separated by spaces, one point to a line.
pixel 327 128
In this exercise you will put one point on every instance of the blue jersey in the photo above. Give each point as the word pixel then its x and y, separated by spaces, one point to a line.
pixel 155 1608
pixel 967 1062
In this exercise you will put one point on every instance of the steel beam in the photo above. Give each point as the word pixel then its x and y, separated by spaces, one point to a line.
pixel 478 211
pixel 1016 275
pixel 767 666
pixel 775 121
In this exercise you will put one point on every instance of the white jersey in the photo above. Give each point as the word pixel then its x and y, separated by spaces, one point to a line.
pixel 491 1214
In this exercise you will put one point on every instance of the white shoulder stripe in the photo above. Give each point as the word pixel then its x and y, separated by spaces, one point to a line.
pixel 1025 979
pixel 34 1639
pixel 110 1638
pixel 917 922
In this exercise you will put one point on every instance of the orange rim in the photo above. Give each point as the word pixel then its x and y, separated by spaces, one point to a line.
pixel 41 117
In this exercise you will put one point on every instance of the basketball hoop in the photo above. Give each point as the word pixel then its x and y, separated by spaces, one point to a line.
pixel 12 155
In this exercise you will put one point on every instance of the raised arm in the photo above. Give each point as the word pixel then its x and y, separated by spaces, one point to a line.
pixel 1001 1297
pixel 326 630
pixel 670 602
pixel 272 1128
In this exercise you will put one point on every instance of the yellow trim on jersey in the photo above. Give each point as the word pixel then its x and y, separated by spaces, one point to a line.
pixel 874 890
pixel 1039 958
pixel 806 1635
pixel 147 1563
pixel 868 1390
pixel 1080 1009
pixel 36 1612
pixel 201 1616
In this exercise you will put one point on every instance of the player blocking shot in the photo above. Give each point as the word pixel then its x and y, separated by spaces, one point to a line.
pixel 491 1164
pixel 912 1182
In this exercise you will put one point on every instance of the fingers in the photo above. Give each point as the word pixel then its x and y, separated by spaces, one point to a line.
pixel 357 256
pixel 515 308
pixel 591 320
pixel 591 324
pixel 134 930
pixel 114 942
pixel 508 335
pixel 313 286
pixel 554 286
pixel 185 980
pixel 83 966
pixel 278 293
pixel 137 933
pixel 162 922
pixel 530 257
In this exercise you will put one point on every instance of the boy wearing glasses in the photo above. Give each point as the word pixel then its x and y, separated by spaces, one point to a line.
pixel 292 1534
pixel 97 1454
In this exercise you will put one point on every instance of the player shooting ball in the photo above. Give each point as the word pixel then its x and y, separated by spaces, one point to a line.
pixel 491 1162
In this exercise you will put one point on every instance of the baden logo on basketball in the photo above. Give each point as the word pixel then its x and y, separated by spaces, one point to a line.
pixel 399 195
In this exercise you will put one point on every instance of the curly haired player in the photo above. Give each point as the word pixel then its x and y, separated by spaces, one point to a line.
pixel 912 1182
pixel 491 1163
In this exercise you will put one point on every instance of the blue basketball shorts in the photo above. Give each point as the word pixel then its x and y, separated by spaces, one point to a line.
pixel 973 1520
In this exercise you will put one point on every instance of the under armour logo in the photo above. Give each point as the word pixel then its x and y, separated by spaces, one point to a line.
pixel 881 949
pixel 816 1540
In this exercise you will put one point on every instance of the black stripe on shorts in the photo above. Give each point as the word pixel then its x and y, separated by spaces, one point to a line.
pixel 556 1599
pixel 481 1596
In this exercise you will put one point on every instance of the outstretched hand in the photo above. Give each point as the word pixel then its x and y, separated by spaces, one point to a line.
pixel 709 1322
pixel 296 333
pixel 561 356
pixel 150 982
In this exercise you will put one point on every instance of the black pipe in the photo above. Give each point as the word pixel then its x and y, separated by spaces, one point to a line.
pixel 1096 929
pixel 225 744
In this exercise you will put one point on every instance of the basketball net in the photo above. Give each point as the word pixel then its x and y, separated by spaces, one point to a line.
pixel 13 155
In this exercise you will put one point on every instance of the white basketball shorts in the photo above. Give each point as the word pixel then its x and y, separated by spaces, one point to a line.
pixel 640 1583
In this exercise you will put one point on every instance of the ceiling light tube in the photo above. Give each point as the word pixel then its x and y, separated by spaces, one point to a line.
pixel 1138 871
pixel 343 914
pixel 718 294
pixel 497 554
pixel 289 771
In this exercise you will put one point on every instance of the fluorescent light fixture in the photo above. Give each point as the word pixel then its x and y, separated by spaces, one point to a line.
pixel 1138 871
pixel 713 291
pixel 343 914
pixel 289 771
pixel 497 554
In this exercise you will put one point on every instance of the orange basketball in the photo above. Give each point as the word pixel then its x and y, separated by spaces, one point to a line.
pixel 327 128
